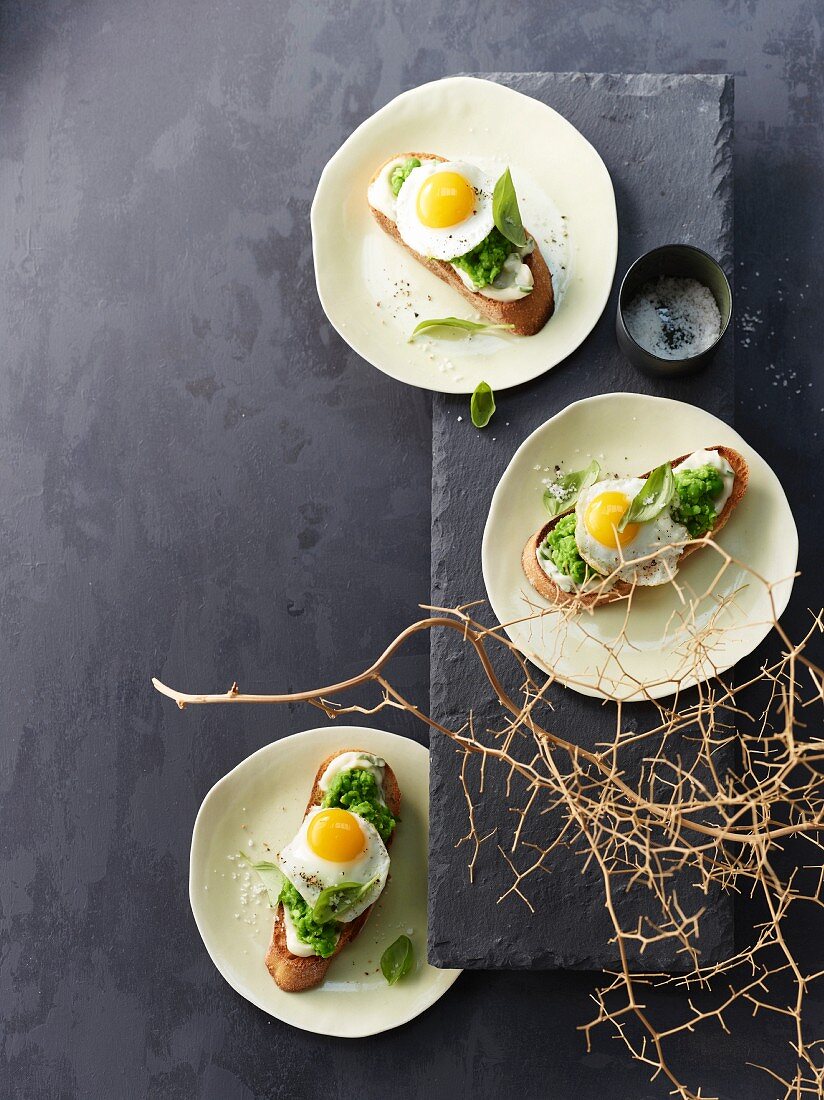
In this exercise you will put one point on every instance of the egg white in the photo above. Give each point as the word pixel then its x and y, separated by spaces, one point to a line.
pixel 380 194
pixel 311 875
pixel 655 537
pixel 452 240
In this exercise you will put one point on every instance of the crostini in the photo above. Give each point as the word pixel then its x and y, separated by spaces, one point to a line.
pixel 610 535
pixel 335 868
pixel 465 227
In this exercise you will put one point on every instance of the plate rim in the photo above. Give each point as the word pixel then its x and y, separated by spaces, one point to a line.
pixel 450 975
pixel 662 691
pixel 323 180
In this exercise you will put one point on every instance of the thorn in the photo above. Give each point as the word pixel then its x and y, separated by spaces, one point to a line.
pixel 234 689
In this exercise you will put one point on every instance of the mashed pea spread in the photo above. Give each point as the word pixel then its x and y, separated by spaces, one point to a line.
pixel 355 790
pixel 400 173
pixel 561 546
pixel 696 493
pixel 322 938
pixel 484 263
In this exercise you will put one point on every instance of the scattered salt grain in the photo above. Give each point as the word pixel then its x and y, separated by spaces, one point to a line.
pixel 673 318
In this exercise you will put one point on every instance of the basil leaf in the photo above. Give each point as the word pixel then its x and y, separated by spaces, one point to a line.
pixel 397 960
pixel 482 405
pixel 453 326
pixel 505 212
pixel 336 901
pixel 270 875
pixel 651 500
pixel 562 495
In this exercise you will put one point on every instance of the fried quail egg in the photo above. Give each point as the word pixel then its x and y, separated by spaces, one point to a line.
pixel 332 846
pixel 606 549
pixel 445 209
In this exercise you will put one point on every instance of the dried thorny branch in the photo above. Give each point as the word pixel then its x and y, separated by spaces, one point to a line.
pixel 685 809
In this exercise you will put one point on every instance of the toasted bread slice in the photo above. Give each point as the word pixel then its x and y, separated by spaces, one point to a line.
pixel 294 973
pixel 621 589
pixel 527 315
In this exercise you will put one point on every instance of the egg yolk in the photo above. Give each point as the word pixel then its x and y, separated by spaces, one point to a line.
pixel 335 834
pixel 445 199
pixel 602 517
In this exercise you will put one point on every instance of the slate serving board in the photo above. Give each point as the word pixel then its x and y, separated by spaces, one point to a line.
pixel 667 142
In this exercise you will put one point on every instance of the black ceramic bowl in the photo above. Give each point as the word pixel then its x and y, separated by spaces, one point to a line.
pixel 680 261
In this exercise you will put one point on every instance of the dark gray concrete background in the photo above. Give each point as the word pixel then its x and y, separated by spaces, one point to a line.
pixel 199 479
pixel 678 132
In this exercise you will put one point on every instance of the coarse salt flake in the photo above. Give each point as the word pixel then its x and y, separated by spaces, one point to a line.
pixel 673 318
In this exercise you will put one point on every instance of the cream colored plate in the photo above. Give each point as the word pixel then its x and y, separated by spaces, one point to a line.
pixel 262 801
pixel 629 434
pixel 372 289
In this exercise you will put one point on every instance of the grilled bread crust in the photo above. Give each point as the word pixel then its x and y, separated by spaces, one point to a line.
pixel 527 315
pixel 294 973
pixel 621 589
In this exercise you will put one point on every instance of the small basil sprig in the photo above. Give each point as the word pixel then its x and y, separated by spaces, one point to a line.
pixel 505 212
pixel 482 405
pixel 454 326
pixel 397 960
pixel 561 495
pixel 652 498
pixel 336 901
pixel 270 875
